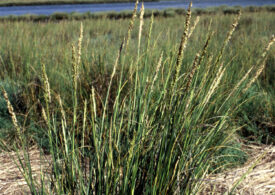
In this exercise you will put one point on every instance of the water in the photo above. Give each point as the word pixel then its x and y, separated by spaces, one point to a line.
pixel 50 9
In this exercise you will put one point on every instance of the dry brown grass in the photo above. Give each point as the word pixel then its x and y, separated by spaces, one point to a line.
pixel 11 179
pixel 259 174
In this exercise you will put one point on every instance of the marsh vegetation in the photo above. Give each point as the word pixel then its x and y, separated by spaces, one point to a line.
pixel 139 105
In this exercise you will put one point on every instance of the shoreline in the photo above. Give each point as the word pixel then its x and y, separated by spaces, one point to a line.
pixel 15 4
pixel 170 12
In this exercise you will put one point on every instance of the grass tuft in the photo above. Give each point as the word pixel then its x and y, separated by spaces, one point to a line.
pixel 117 116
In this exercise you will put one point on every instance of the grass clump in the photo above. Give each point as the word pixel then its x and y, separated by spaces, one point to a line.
pixel 138 114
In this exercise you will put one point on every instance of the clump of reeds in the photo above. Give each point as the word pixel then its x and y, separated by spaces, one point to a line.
pixel 162 136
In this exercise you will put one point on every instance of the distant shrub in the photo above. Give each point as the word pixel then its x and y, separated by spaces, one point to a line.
pixel 270 8
pixel 169 13
pixel 253 9
pixel 59 16
pixel 230 11
pixel 180 11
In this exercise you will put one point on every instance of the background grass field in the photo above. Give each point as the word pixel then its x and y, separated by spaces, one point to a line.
pixel 164 126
